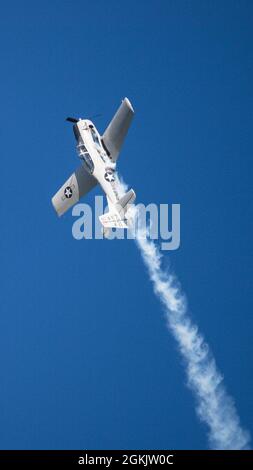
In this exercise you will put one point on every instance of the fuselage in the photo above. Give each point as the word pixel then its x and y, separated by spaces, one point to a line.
pixel 95 159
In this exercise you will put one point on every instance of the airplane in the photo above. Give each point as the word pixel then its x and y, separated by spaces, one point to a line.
pixel 98 155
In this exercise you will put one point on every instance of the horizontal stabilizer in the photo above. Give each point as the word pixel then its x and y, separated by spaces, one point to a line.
pixel 112 220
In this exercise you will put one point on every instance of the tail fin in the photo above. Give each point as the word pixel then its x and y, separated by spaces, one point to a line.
pixel 128 198
pixel 115 218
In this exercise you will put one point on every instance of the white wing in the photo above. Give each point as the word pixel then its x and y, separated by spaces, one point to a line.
pixel 115 133
pixel 76 186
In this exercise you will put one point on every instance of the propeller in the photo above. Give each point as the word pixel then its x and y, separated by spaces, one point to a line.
pixel 74 120
pixel 71 119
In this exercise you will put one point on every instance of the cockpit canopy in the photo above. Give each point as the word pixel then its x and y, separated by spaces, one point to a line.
pixel 94 136
pixel 84 155
pixel 81 149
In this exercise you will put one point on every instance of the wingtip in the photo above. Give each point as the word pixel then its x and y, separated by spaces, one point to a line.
pixel 128 103
pixel 54 204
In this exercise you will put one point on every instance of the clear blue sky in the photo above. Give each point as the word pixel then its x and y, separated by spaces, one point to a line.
pixel 86 360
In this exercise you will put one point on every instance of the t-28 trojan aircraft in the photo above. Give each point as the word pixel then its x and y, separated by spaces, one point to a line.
pixel 98 155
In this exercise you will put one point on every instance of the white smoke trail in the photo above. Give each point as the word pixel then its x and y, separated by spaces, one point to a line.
pixel 213 405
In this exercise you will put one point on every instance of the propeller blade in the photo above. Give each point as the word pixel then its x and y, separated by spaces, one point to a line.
pixel 71 119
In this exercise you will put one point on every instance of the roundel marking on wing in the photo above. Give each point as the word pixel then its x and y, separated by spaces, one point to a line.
pixel 68 192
